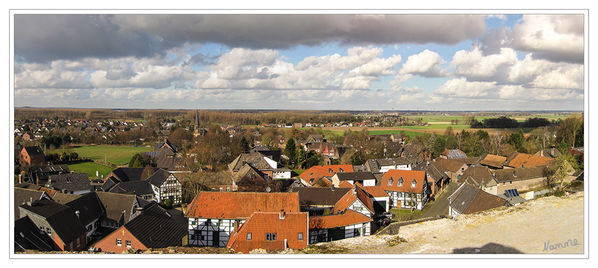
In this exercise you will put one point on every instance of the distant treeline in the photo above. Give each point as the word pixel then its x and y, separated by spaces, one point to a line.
pixel 205 116
pixel 506 122
pixel 94 114
pixel 277 117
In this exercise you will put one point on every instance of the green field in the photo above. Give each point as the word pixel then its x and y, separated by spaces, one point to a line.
pixel 438 126
pixel 90 168
pixel 448 118
pixel 394 131
pixel 115 154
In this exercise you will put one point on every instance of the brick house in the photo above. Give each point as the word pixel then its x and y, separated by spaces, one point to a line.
pixel 32 156
pixel 271 231
pixel 154 228
pixel 313 174
pixel 406 188
pixel 58 221
pixel 214 216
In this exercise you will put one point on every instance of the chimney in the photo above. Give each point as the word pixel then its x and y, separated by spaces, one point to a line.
pixel 77 213
pixel 281 214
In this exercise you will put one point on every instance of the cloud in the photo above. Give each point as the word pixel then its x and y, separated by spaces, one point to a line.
pixel 426 63
pixel 50 37
pixel 475 66
pixel 557 38
pixel 506 69
pixel 460 87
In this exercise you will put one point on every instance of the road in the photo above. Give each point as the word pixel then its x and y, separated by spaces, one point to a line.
pixel 441 204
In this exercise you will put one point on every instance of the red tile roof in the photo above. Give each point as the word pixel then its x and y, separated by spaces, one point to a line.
pixel 235 205
pixel 376 191
pixel 260 223
pixel 350 217
pixel 317 172
pixel 345 184
pixel 408 176
pixel 527 160
pixel 493 160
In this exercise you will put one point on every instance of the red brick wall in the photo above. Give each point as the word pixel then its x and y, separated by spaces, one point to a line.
pixel 24 158
pixel 71 246
pixel 108 243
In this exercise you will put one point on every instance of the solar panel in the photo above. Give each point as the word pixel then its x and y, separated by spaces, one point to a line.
pixel 511 193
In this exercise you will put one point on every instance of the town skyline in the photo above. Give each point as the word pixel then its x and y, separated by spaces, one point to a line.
pixel 434 62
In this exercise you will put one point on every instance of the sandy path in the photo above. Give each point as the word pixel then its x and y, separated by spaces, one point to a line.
pixel 525 228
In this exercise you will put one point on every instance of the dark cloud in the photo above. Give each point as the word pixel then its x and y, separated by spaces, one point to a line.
pixel 49 37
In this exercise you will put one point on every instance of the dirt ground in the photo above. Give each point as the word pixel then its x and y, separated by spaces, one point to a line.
pixel 540 226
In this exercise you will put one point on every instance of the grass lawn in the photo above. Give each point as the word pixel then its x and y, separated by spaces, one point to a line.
pixel 90 168
pixel 405 214
pixel 116 154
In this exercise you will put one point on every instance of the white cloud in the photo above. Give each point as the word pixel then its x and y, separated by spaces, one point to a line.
pixel 475 66
pixel 460 87
pixel 426 63
pixel 553 37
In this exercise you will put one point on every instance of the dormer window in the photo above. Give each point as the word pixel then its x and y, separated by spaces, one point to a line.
pixel 340 170
pixel 330 171
pixel 413 183
pixel 400 183
pixel 390 181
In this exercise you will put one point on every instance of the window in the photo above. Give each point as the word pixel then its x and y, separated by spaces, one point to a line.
pixel 270 236
pixel 128 243
pixel 228 188
pixel 400 182
pixel 248 236
pixel 340 170
pixel 300 236
pixel 330 171
pixel 390 181
pixel 413 183
pixel 118 242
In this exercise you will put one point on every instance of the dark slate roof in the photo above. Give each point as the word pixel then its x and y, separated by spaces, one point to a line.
pixel 248 172
pixel 26 195
pixel 115 204
pixel 70 182
pixel 132 187
pixel 159 177
pixel 156 228
pixel 468 199
pixel 431 171
pixel 256 159
pixel 310 196
pixel 516 174
pixel 89 206
pixel 109 183
pixel 272 154
pixel 34 151
pixel 356 176
pixel 128 174
pixel 454 153
pixel 29 237
pixel 63 198
pixel 479 175
pixel 60 217
pixel 50 169
pixel 165 147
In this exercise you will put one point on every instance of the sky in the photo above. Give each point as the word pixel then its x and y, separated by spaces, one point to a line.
pixel 306 62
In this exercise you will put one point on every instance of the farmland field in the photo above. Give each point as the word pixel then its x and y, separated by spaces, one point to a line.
pixel 90 168
pixel 115 154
